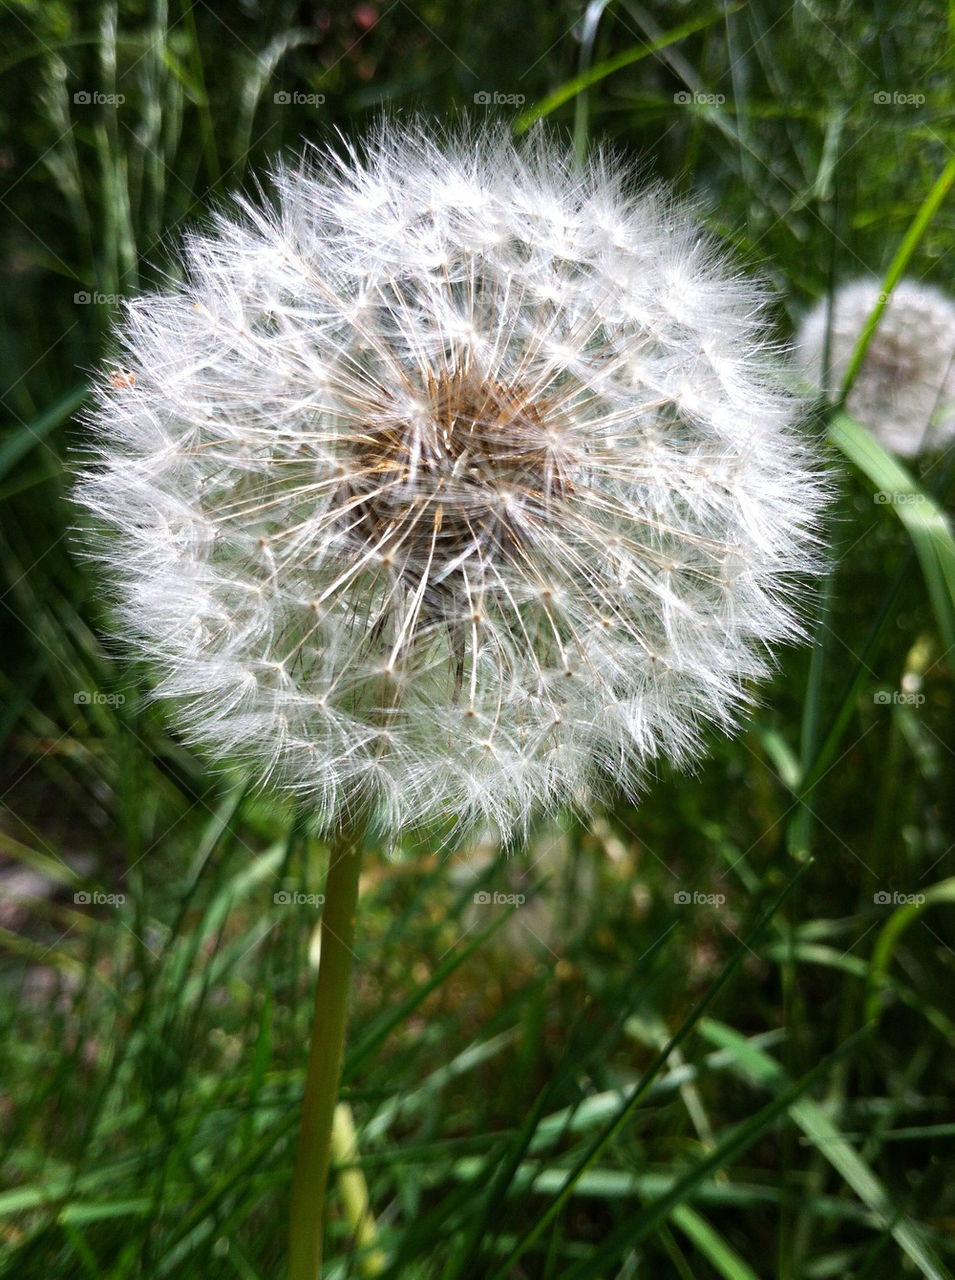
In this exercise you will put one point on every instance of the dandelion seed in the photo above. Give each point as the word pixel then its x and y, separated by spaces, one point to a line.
pixel 455 485
pixel 905 388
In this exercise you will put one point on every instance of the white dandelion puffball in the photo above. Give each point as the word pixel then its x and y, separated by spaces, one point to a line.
pixel 455 485
pixel 905 388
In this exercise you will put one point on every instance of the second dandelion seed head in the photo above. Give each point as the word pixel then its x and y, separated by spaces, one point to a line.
pixel 904 391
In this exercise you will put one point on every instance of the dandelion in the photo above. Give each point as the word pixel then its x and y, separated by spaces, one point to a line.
pixel 904 391
pixel 454 486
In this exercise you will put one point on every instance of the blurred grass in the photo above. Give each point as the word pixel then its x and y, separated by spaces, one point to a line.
pixel 539 1092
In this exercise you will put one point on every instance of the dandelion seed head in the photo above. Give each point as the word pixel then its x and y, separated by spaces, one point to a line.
pixel 904 391
pixel 455 484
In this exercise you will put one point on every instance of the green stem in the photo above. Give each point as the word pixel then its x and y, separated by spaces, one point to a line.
pixel 324 1061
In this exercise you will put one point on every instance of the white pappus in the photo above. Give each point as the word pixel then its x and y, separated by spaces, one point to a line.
pixel 904 391
pixel 454 484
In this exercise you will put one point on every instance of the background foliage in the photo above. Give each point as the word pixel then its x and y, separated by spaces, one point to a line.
pixel 522 1108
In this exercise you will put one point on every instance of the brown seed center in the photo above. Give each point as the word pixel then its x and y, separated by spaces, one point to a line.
pixel 469 476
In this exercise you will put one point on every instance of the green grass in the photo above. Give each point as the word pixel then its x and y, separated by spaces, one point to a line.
pixel 602 1082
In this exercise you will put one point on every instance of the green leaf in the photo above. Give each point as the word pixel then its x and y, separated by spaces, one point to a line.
pixel 925 522
pixel 585 79
pixel 897 267
pixel 822 1132
pixel 738 1140
pixel 614 1127
pixel 29 434
pixel 898 922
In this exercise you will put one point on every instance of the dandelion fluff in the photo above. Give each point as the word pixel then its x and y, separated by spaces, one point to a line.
pixel 455 484
pixel 905 388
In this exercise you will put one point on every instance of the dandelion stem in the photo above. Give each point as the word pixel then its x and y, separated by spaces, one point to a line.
pixel 325 1060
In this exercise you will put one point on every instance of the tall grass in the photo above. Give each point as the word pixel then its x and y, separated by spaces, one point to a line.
pixel 607 1080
